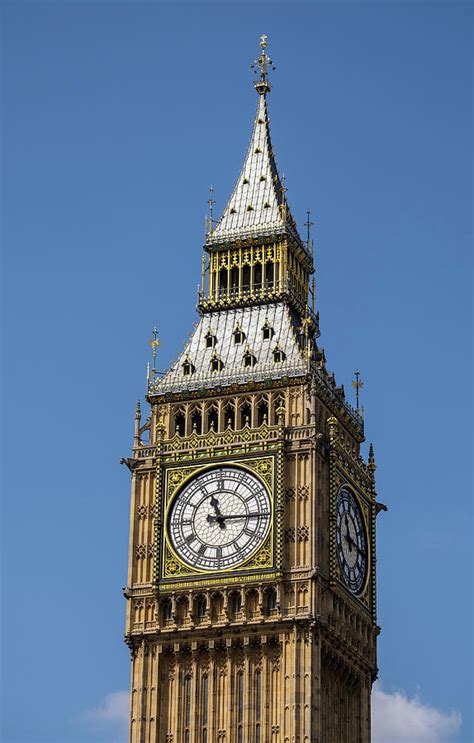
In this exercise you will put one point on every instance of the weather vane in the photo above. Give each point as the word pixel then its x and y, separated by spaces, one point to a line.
pixel 357 384
pixel 261 64
pixel 154 343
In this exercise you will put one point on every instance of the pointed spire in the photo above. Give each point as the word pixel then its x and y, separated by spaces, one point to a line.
pixel 138 415
pixel 371 465
pixel 257 206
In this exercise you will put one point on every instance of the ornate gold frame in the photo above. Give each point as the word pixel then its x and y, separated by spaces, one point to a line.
pixel 171 567
pixel 339 479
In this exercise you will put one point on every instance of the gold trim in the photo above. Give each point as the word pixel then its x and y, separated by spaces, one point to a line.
pixel 362 508
pixel 172 565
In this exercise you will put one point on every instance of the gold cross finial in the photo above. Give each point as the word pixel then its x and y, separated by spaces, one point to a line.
pixel 357 384
pixel 154 343
pixel 263 86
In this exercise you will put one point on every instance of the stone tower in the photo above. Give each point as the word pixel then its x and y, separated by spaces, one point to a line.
pixel 251 579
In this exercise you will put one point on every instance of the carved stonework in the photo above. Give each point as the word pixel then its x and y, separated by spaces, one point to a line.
pixel 251 440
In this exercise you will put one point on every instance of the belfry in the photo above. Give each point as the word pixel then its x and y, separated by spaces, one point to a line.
pixel 251 606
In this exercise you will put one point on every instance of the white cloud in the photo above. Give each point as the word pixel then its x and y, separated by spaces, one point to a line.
pixel 112 712
pixel 396 718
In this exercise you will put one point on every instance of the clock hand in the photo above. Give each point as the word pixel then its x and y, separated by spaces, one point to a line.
pixel 236 516
pixel 351 542
pixel 348 537
pixel 215 505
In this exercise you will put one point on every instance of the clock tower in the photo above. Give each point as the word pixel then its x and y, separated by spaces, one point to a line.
pixel 251 579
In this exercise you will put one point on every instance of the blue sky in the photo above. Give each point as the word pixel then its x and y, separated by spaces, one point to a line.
pixel 117 118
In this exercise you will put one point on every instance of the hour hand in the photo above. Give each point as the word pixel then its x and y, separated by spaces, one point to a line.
pixel 215 505
pixel 219 518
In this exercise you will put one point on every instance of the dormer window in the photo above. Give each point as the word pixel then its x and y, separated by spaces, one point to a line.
pixel 278 355
pixel 211 340
pixel 233 211
pixel 216 363
pixel 267 332
pixel 250 208
pixel 188 367
pixel 245 181
pixel 239 335
pixel 258 150
pixel 249 358
pixel 262 178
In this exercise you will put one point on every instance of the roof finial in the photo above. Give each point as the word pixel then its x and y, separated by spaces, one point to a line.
pixel 154 343
pixel 283 190
pixel 357 384
pixel 263 86
pixel 309 241
pixel 211 203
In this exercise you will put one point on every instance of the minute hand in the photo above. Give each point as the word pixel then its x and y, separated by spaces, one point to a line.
pixel 241 516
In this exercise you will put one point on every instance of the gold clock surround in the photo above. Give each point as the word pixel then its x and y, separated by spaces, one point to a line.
pixel 172 567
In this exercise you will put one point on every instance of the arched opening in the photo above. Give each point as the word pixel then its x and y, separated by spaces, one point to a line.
pixel 229 415
pixel 212 419
pixel 277 274
pixel 257 276
pixel 182 609
pixel 179 423
pixel 278 355
pixel 245 414
pixel 240 706
pixel 236 603
pixel 269 275
pixel 223 281
pixel 188 367
pixel 187 708
pixel 216 363
pixel 234 280
pixel 166 610
pixel 201 607
pixel 246 279
pixel 271 600
pixel 262 412
pixel 196 421
pixel 251 604
pixel 249 359
pixel 258 703
pixel 217 606
pixel 204 707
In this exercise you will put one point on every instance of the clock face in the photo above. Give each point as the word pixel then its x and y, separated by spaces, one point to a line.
pixel 351 540
pixel 219 518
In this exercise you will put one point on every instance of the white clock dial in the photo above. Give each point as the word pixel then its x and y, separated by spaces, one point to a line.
pixel 219 518
pixel 351 540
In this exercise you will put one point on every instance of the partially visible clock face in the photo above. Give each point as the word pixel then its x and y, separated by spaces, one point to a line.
pixel 219 518
pixel 351 540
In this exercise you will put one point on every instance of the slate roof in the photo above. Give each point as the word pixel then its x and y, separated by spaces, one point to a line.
pixel 255 206
pixel 222 324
